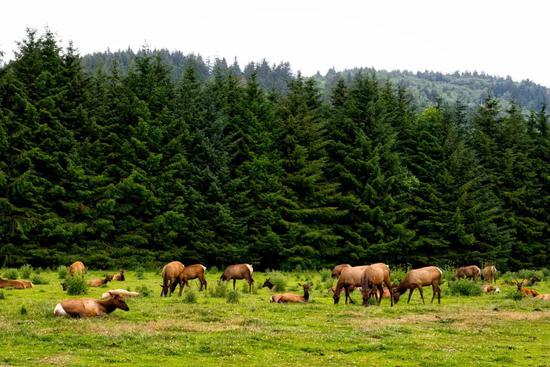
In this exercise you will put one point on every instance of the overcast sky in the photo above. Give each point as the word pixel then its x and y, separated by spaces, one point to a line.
pixel 499 37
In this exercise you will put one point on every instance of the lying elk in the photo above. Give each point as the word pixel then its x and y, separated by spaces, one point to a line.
pixel 489 274
pixel 469 272
pixel 77 268
pixel 487 288
pixel 338 270
pixel 119 277
pixel 268 284
pixel 418 278
pixel 349 279
pixel 193 272
pixel 291 297
pixel 16 284
pixel 172 275
pixel 543 297
pixel 239 271
pixel 527 292
pixel 126 293
pixel 99 282
pixel 88 307
pixel 372 281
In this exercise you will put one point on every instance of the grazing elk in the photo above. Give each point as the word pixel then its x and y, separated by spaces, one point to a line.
pixel 469 272
pixel 239 271
pixel 16 284
pixel 193 272
pixel 543 297
pixel 338 270
pixel 77 268
pixel 119 277
pixel 268 284
pixel 88 307
pixel 487 288
pixel 349 279
pixel 372 281
pixel 291 297
pixel 526 292
pixel 418 278
pixel 172 275
pixel 489 274
pixel 99 282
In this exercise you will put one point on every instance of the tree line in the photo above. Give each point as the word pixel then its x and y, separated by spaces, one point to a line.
pixel 140 168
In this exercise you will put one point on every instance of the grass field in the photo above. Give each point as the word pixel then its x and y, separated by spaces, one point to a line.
pixel 488 330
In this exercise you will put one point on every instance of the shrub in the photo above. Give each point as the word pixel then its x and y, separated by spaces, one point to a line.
pixel 513 294
pixel 325 274
pixel 546 273
pixel 219 290
pixel 62 272
pixel 11 274
pixel 463 287
pixel 2 296
pixel 140 273
pixel 143 290
pixel 37 279
pixel 76 285
pixel 278 280
pixel 23 310
pixel 190 296
pixel 244 287
pixel 232 296
pixel 25 271
pixel 213 269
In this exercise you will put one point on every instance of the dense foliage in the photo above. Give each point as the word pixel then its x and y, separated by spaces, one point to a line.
pixel 140 167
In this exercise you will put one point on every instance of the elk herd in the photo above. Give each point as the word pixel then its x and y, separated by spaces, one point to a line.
pixel 371 280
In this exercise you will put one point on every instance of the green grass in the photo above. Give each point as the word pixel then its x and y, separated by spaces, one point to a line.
pixel 488 330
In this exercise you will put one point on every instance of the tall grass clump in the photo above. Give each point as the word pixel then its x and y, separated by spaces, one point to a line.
pixel 190 296
pixel 140 273
pixel 2 295
pixel 11 274
pixel 62 272
pixel 232 296
pixel 219 290
pixel 144 291
pixel 279 281
pixel 25 271
pixel 463 287
pixel 513 294
pixel 38 279
pixel 76 285
pixel 325 274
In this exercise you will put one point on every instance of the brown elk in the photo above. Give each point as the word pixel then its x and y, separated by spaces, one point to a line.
pixel 99 282
pixel 372 281
pixel 418 278
pixel 239 271
pixel 122 292
pixel 16 284
pixel 469 272
pixel 119 277
pixel 77 268
pixel 291 297
pixel 349 279
pixel 193 272
pixel 487 288
pixel 489 274
pixel 172 275
pixel 527 292
pixel 268 284
pixel 543 297
pixel 88 307
pixel 338 270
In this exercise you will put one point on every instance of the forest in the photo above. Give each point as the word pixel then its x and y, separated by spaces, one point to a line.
pixel 141 164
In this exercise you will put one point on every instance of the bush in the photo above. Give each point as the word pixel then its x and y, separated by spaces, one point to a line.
pixel 232 296
pixel 144 291
pixel 213 269
pixel 463 287
pixel 278 280
pixel 37 279
pixel 23 310
pixel 546 273
pixel 25 271
pixel 2 295
pixel 325 274
pixel 62 272
pixel 76 285
pixel 140 273
pixel 190 296
pixel 11 274
pixel 513 294
pixel 219 290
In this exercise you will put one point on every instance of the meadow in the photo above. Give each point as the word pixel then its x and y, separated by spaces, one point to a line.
pixel 205 328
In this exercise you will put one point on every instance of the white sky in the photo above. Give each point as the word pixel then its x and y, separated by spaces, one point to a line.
pixel 499 37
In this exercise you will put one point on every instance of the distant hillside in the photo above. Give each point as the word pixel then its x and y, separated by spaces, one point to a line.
pixel 471 87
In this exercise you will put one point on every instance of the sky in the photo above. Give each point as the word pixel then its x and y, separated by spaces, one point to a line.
pixel 498 37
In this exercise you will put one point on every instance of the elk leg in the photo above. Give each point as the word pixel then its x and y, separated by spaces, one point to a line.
pixel 410 294
pixel 438 295
pixel 388 285
pixel 181 287
pixel 433 291
pixel 380 294
pixel 205 284
pixel 421 294
pixel 234 280
pixel 346 294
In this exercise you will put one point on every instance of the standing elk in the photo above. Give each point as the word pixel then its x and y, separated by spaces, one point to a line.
pixel 489 274
pixel 418 278
pixel 193 272
pixel 88 307
pixel 291 297
pixel 99 282
pixel 239 271
pixel 338 270
pixel 119 277
pixel 349 279
pixel 77 268
pixel 372 281
pixel 487 288
pixel 15 284
pixel 469 272
pixel 172 275
pixel 527 292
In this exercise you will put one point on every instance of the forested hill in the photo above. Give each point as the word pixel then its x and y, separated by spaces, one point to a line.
pixel 138 169
pixel 471 88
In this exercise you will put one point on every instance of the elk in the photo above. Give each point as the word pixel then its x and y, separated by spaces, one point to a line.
pixel 469 272
pixel 349 279
pixel 487 288
pixel 543 297
pixel 88 307
pixel 193 272
pixel 99 282
pixel 338 270
pixel 119 292
pixel 374 276
pixel 527 292
pixel 291 297
pixel 268 284
pixel 77 268
pixel 489 274
pixel 239 271
pixel 119 277
pixel 172 275
pixel 16 284
pixel 418 278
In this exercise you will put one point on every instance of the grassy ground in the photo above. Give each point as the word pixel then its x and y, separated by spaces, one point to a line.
pixel 463 331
